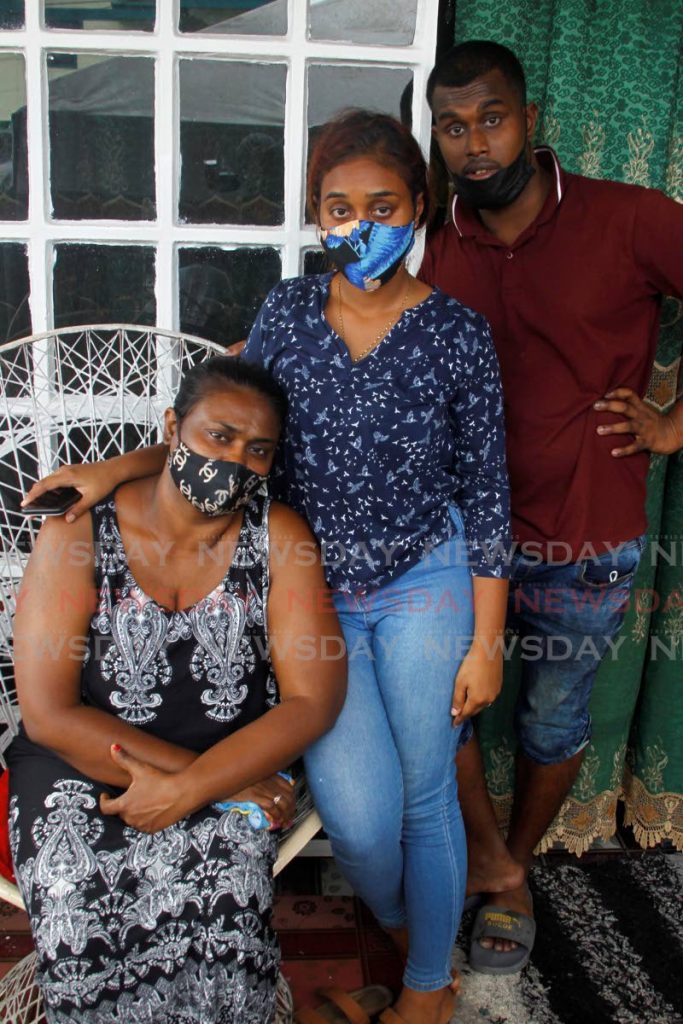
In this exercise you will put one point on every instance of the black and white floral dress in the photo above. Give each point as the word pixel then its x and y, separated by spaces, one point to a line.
pixel 171 927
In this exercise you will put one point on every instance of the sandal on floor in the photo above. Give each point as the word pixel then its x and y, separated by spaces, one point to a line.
pixel 346 1007
pixel 500 923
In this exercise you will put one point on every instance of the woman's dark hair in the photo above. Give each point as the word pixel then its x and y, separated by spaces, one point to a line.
pixel 220 372
pixel 364 133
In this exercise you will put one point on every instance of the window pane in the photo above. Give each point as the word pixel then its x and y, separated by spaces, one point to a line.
pixel 13 154
pixel 335 87
pixel 101 136
pixel 232 116
pixel 15 314
pixel 243 17
pixel 97 284
pixel 136 15
pixel 221 290
pixel 314 261
pixel 11 13
pixel 375 22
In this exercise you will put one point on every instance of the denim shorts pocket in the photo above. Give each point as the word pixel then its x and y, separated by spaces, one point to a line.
pixel 612 570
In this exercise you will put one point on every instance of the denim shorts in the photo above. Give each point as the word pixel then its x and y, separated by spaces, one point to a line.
pixel 564 619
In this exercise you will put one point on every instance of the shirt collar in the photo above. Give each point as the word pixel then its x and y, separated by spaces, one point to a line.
pixel 466 219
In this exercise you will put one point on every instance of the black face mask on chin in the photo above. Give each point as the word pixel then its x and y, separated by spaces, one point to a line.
pixel 501 189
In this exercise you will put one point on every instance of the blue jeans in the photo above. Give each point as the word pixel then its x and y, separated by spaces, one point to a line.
pixel 565 618
pixel 383 778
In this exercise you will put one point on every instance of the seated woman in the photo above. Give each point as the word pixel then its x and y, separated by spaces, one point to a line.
pixel 172 652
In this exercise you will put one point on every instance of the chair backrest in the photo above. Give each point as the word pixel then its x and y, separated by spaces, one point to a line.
pixel 74 395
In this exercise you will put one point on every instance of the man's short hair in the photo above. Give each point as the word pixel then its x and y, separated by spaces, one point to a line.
pixel 463 63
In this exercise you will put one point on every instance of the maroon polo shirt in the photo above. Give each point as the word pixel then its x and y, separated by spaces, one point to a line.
pixel 574 308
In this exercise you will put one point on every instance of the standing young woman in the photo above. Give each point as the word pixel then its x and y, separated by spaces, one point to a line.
pixel 394 451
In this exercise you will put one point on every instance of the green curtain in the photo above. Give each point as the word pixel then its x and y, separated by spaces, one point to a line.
pixel 608 78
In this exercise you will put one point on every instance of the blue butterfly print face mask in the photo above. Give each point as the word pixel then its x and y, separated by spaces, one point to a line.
pixel 367 252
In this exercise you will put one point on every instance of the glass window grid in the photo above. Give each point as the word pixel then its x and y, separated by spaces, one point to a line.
pixel 41 232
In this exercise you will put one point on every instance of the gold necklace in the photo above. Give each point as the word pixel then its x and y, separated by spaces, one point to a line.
pixel 385 330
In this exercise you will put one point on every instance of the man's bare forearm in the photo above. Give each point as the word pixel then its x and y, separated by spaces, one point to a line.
pixel 675 418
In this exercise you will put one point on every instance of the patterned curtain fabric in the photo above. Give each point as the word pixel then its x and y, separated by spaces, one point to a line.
pixel 608 78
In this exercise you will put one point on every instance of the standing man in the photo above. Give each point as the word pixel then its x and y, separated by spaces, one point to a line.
pixel 570 273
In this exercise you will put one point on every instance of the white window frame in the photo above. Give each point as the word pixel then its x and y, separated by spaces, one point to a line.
pixel 167 46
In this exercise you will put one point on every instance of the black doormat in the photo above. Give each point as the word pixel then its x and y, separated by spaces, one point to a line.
pixel 609 948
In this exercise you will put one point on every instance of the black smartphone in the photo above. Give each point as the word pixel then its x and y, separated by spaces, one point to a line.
pixel 53 503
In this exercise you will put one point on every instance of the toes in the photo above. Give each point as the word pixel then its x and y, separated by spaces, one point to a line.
pixel 501 945
pixel 486 943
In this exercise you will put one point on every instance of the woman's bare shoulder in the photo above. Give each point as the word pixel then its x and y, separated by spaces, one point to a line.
pixel 284 523
pixel 293 548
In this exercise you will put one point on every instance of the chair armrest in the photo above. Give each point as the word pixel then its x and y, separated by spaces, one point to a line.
pixel 10 894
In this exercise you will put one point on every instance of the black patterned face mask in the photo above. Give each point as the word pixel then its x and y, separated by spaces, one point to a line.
pixel 213 486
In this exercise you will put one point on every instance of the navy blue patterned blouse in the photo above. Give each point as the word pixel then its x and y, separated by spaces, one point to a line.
pixel 374 452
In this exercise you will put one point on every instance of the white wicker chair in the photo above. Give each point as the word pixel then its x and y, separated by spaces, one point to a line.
pixel 78 395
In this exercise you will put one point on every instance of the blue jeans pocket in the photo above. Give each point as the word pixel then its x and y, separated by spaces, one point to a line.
pixel 612 569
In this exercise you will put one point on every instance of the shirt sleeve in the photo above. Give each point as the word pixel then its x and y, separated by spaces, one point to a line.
pixel 657 235
pixel 477 417
pixel 254 350
pixel 426 271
